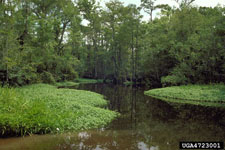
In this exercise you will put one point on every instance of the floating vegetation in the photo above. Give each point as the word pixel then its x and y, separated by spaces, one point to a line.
pixel 207 95
pixel 66 83
pixel 42 108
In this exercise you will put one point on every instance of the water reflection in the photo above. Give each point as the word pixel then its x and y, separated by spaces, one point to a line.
pixel 145 124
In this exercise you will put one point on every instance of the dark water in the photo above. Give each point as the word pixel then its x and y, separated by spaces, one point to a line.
pixel 145 124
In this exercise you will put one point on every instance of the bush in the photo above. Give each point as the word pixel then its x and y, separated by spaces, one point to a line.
pixel 22 75
pixel 47 77
pixel 173 80
pixel 71 75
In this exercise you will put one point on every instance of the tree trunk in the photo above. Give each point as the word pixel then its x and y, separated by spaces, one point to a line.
pixel 151 12
pixel 59 46
pixel 136 55
pixel 132 55
pixel 95 58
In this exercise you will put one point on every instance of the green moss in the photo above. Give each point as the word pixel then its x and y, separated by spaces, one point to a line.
pixel 85 80
pixel 207 95
pixel 43 108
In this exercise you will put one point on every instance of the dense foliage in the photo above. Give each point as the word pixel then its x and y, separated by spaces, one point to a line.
pixel 48 41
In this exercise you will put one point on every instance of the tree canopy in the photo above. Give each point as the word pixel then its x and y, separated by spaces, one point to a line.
pixel 57 40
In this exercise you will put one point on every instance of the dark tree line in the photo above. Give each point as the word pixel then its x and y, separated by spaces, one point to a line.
pixel 48 41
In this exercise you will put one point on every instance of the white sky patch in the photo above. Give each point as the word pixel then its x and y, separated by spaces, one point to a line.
pixel 85 22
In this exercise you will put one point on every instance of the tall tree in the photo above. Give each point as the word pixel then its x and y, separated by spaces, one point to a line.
pixel 149 7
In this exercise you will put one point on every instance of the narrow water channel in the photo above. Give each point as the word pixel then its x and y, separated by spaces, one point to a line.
pixel 145 124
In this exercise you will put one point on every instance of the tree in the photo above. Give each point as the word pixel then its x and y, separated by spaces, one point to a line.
pixel 149 7
pixel 184 3
pixel 92 14
pixel 47 41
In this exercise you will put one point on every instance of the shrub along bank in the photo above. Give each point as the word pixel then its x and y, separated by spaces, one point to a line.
pixel 42 108
pixel 207 95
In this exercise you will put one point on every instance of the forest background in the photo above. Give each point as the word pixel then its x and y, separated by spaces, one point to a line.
pixel 45 41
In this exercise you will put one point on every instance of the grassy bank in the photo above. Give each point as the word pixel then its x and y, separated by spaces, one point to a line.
pixel 207 95
pixel 42 108
pixel 85 80
pixel 67 83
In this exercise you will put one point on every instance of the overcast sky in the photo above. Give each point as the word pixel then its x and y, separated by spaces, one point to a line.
pixel 206 3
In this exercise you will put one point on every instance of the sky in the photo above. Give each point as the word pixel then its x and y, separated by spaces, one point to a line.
pixel 205 3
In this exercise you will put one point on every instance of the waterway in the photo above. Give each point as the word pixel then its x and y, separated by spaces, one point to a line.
pixel 145 124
